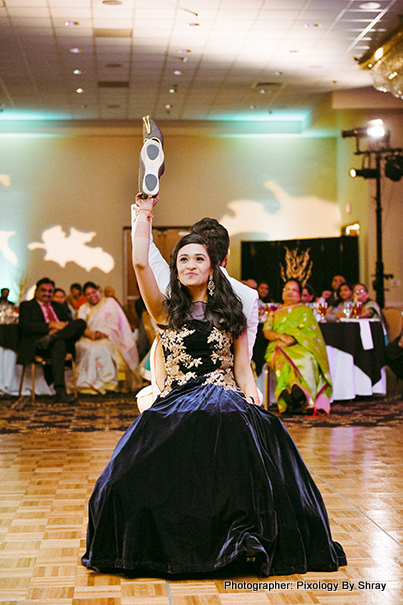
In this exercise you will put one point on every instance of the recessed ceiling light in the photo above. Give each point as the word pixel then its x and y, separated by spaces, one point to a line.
pixel 370 6
pixel 262 91
pixel 76 51
pixel 252 106
pixel 71 23
pixel 293 50
pixel 177 72
pixel 80 90
pixel 182 51
pixel 83 106
pixel 168 106
pixel 277 73
pixel 312 25
pixel 192 24
pixel 173 90
pixel 77 72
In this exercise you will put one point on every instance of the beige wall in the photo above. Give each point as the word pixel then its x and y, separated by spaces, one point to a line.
pixel 260 187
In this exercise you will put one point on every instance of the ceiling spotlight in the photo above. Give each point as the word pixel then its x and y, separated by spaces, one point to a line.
pixel 177 72
pixel 394 167
pixel 365 173
pixel 80 90
pixel 173 89
pixel 183 51
pixel 76 51
pixel 312 25
pixel 277 73
pixel 77 72
pixel 168 106
pixel 252 106
pixel 71 23
pixel 369 6
pixel 192 24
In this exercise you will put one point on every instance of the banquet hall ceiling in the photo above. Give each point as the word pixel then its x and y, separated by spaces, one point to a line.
pixel 183 59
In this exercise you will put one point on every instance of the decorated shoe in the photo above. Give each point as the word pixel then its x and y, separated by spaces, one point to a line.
pixel 152 164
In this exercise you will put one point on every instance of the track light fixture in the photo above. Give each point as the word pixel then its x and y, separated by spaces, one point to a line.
pixel 365 173
pixel 378 152
pixel 394 167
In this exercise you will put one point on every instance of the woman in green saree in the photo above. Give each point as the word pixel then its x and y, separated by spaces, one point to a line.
pixel 297 354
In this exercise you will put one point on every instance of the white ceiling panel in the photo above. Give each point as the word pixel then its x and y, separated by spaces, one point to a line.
pixel 236 43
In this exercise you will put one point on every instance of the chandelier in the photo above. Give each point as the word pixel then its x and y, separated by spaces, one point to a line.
pixel 386 64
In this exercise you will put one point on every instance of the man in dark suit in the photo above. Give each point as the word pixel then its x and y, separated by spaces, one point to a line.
pixel 47 329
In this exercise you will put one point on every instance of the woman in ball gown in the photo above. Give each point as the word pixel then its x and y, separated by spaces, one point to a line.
pixel 205 480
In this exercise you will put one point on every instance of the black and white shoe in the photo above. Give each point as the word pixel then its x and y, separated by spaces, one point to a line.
pixel 152 164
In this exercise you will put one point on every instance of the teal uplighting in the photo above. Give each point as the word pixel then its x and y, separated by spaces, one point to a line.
pixel 18 115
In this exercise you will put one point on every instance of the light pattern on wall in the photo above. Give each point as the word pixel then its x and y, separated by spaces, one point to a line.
pixel 5 180
pixel 296 218
pixel 73 248
pixel 5 246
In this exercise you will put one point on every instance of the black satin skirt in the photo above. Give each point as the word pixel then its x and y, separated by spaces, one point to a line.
pixel 205 482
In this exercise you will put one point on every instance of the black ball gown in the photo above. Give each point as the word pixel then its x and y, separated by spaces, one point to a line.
pixel 204 481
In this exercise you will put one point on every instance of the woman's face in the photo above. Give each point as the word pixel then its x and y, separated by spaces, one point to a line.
pixel 263 290
pixel 59 297
pixel 305 296
pixel 193 265
pixel 92 295
pixel 291 294
pixel 345 292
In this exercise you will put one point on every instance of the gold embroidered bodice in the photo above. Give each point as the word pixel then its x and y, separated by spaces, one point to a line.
pixel 194 354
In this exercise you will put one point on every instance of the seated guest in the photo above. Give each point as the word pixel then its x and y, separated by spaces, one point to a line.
pixel 109 292
pixel 331 296
pixel 76 298
pixel 344 295
pixel 297 354
pixel 369 308
pixel 59 295
pixel 5 293
pixel 47 329
pixel 263 293
pixel 308 294
pixel 107 352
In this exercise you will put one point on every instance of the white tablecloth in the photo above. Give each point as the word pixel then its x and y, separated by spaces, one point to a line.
pixel 10 376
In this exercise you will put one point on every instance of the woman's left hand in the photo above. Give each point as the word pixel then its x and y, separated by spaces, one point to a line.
pixel 286 340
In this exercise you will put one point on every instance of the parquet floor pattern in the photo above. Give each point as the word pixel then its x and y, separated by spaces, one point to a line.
pixel 47 478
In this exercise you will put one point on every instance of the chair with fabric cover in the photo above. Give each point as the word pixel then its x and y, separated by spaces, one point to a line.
pixel 394 322
pixel 147 395
pixel 43 361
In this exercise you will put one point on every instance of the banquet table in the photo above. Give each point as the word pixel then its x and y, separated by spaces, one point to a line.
pixel 10 371
pixel 355 350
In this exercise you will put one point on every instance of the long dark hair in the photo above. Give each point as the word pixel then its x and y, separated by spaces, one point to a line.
pixel 224 308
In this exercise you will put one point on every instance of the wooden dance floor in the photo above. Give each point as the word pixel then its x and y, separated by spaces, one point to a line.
pixel 47 478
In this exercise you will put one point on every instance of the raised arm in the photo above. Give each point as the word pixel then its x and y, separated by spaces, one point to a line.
pixel 147 283
pixel 157 262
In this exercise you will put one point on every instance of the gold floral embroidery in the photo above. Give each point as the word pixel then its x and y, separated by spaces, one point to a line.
pixel 223 378
pixel 222 348
pixel 178 362
pixel 175 354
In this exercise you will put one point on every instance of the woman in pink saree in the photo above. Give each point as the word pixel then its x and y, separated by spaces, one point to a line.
pixel 106 355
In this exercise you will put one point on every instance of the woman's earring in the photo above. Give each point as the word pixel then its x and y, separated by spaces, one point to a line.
pixel 210 285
